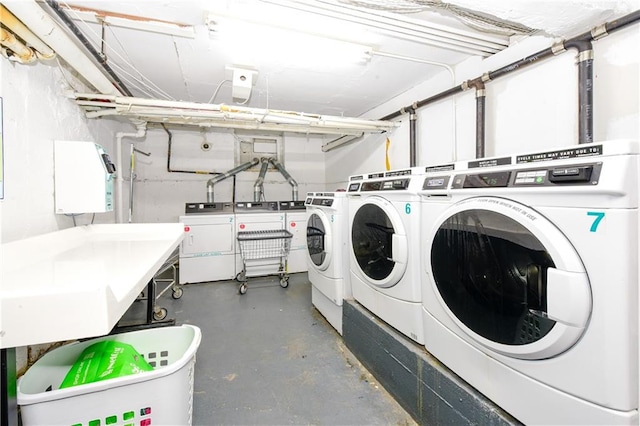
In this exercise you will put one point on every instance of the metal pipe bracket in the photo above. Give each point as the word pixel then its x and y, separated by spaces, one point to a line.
pixel 599 32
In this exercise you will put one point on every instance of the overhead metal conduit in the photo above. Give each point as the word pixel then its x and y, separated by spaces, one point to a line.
pixel 211 182
pixel 100 58
pixel 581 43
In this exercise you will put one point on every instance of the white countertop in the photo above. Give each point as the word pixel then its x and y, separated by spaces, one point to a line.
pixel 78 282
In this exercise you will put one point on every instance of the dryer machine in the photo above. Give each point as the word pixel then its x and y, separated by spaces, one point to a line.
pixel 295 220
pixel 384 226
pixel 328 254
pixel 207 252
pixel 531 282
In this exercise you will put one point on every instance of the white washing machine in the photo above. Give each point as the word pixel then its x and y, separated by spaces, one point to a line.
pixel 257 216
pixel 531 282
pixel 208 250
pixel 327 254
pixel 384 241
pixel 295 222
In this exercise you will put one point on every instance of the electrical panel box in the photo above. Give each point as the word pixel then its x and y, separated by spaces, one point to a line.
pixel 84 176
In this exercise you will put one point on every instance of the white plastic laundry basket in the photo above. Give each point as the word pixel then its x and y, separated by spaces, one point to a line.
pixel 163 396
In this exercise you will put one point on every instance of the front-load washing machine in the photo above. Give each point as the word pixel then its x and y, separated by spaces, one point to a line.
pixel 531 282
pixel 257 216
pixel 295 218
pixel 208 250
pixel 384 226
pixel 328 254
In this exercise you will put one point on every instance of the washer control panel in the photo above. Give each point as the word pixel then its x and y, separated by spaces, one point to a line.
pixel 566 175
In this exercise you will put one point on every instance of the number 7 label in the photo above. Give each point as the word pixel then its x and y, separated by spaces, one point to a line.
pixel 597 218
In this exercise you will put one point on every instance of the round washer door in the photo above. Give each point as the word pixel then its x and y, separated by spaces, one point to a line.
pixel 509 278
pixel 319 240
pixel 379 243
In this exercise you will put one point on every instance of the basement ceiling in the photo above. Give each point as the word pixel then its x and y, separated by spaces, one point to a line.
pixel 339 58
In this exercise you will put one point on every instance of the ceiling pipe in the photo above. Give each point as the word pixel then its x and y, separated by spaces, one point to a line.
pixel 220 115
pixel 222 176
pixel 287 176
pixel 47 30
pixel 8 19
pixel 140 133
pixel 585 75
pixel 21 53
pixel 258 187
pixel 101 59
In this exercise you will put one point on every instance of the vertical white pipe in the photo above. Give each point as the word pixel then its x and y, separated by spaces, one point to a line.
pixel 142 131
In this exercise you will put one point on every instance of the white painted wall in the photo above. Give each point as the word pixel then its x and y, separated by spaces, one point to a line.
pixel 533 108
pixel 36 113
pixel 160 196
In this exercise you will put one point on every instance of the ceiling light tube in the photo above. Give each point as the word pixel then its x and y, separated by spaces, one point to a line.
pixel 423 24
pixel 397 30
pixel 342 140
pixel 423 31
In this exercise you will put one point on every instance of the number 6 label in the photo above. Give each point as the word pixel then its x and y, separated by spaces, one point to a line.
pixel 597 218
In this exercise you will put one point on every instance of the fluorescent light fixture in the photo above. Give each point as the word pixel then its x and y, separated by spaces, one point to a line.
pixel 250 41
pixel 403 27
pixel 131 22
pixel 342 140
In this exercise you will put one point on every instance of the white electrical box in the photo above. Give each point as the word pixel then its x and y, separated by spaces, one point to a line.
pixel 84 176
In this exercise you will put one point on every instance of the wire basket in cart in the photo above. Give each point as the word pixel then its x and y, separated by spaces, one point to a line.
pixel 256 247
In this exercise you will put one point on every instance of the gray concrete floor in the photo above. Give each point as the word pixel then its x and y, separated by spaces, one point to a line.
pixel 269 358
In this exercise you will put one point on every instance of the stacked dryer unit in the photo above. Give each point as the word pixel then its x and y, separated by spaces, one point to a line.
pixel 295 218
pixel 384 246
pixel 530 281
pixel 327 253
pixel 257 216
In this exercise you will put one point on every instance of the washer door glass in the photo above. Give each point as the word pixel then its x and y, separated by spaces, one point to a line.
pixel 379 243
pixel 318 245
pixel 508 288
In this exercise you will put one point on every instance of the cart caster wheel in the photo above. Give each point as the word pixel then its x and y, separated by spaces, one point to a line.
pixel 160 314
pixel 284 282
pixel 240 277
pixel 242 289
pixel 177 293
